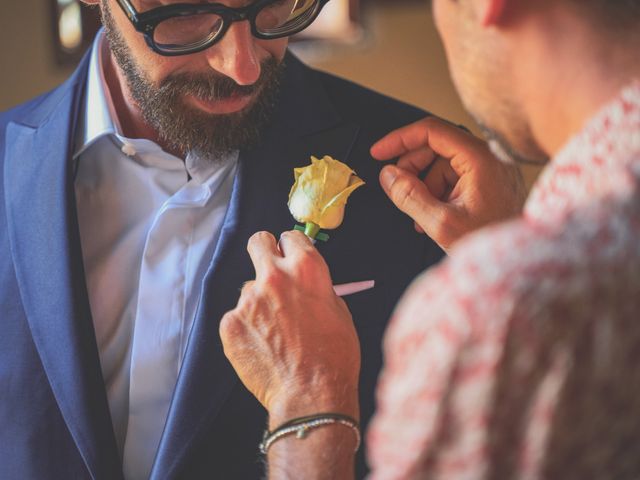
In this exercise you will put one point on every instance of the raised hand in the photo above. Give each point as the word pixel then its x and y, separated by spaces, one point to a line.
pixel 465 187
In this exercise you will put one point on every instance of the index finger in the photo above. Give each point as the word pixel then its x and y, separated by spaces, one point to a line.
pixel 263 250
pixel 445 139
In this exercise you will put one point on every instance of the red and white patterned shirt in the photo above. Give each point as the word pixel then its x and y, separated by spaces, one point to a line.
pixel 515 357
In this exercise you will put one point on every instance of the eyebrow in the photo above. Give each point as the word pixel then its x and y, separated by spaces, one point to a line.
pixel 150 4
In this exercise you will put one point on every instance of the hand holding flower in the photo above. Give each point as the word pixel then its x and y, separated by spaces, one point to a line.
pixel 291 339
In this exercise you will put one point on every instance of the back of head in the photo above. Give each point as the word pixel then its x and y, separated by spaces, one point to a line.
pixel 614 15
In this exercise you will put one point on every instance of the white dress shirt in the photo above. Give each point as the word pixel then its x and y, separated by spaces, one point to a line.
pixel 149 223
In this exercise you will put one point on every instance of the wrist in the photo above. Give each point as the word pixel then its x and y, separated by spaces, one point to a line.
pixel 343 400
pixel 320 452
pixel 300 427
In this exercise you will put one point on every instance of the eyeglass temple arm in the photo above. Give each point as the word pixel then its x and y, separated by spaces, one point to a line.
pixel 128 10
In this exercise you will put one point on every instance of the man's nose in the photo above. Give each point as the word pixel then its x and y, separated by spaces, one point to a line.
pixel 235 55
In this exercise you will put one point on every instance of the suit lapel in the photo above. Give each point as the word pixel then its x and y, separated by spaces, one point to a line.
pixel 303 126
pixel 45 247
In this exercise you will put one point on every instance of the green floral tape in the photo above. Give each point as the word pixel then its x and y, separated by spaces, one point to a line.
pixel 323 237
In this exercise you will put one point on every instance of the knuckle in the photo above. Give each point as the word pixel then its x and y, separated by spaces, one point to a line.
pixel 292 234
pixel 442 224
pixel 431 120
pixel 259 237
pixel 403 192
pixel 308 259
pixel 445 218
pixel 303 265
pixel 288 234
pixel 272 280
pixel 439 232
pixel 231 326
pixel 247 287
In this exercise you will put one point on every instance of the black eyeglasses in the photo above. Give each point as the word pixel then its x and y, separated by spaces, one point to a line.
pixel 184 28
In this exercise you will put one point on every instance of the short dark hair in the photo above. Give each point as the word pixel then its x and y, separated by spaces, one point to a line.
pixel 612 13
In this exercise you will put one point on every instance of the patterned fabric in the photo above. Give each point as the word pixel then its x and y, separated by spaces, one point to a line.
pixel 519 356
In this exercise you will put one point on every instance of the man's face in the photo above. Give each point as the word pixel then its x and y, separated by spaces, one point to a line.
pixel 208 103
pixel 481 63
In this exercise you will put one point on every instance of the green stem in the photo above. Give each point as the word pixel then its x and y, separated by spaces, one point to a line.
pixel 311 230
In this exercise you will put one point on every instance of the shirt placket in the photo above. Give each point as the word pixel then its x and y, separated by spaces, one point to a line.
pixel 159 324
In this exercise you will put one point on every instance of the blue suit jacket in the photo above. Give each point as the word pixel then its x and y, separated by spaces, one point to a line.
pixel 54 416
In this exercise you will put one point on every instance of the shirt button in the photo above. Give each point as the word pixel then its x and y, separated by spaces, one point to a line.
pixel 128 150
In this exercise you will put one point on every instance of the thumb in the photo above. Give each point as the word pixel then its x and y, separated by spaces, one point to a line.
pixel 412 197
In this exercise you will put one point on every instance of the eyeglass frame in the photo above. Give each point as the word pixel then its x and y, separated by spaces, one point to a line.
pixel 146 22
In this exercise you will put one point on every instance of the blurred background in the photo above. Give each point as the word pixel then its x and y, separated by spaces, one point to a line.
pixel 388 45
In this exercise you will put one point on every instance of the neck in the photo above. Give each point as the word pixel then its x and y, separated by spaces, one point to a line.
pixel 571 72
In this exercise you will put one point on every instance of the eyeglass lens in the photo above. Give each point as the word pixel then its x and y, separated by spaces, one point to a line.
pixel 191 31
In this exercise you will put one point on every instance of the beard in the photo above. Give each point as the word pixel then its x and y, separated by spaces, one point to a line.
pixel 503 150
pixel 184 128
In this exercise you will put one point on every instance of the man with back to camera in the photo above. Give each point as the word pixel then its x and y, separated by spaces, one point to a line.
pixel 129 194
pixel 517 356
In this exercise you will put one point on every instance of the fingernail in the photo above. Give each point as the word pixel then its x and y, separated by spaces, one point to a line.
pixel 388 175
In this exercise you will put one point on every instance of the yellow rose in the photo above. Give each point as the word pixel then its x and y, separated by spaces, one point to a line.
pixel 320 192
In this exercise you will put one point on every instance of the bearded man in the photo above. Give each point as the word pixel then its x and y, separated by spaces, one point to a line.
pixel 129 194
pixel 517 357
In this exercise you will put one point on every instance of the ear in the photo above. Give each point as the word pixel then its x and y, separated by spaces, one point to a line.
pixel 491 12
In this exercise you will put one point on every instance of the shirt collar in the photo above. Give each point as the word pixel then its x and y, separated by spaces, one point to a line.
pixel 98 113
pixel 601 161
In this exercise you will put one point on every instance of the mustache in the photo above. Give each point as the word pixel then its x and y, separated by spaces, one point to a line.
pixel 214 87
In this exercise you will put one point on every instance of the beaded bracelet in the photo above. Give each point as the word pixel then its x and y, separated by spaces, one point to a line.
pixel 300 426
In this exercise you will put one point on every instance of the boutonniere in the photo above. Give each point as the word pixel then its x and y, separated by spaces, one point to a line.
pixel 319 195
